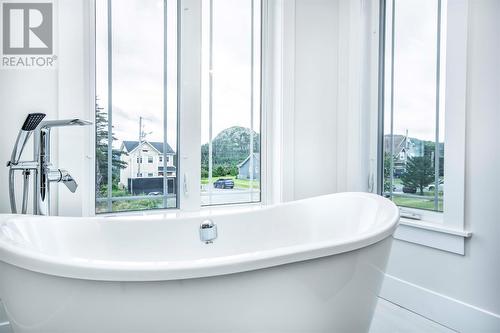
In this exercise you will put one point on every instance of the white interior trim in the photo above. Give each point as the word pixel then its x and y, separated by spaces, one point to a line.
pixel 75 99
pixel 445 310
pixel 267 130
pixel 88 201
pixel 445 231
pixel 455 119
pixel 430 235
pixel 435 227
pixel 189 63
pixel 287 113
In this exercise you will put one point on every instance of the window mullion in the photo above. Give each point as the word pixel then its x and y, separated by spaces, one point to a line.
pixel 210 102
pixel 189 97
pixel 393 42
pixel 438 92
pixel 110 109
pixel 252 79
pixel 165 103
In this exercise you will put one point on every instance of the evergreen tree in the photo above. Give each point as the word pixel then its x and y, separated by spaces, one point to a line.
pixel 101 123
pixel 419 173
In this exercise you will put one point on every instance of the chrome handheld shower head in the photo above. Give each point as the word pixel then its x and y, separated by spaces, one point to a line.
pixel 30 124
pixel 32 121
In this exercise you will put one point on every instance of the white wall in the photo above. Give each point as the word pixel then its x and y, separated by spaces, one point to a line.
pixel 467 286
pixel 316 72
pixel 333 95
pixel 60 93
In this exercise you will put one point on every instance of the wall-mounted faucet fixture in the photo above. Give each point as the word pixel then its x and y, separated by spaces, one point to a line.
pixel 44 172
pixel 30 124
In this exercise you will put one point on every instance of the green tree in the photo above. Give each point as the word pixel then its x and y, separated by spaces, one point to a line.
pixel 419 173
pixel 101 123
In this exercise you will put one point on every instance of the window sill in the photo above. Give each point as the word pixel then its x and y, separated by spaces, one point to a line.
pixel 432 235
pixel 172 213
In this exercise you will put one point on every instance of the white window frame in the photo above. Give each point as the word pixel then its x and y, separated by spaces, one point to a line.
pixel 189 111
pixel 443 231
pixel 190 78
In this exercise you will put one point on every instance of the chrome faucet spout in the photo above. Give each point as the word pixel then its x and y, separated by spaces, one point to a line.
pixel 69 181
pixel 65 123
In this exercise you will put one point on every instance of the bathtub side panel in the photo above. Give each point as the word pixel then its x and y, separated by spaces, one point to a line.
pixel 332 294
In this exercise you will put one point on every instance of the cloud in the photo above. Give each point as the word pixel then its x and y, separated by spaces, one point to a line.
pixel 414 69
pixel 138 68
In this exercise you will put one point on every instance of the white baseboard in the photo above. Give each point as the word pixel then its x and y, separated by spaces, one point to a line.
pixel 442 309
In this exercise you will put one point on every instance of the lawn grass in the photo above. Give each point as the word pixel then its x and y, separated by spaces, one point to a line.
pixel 426 203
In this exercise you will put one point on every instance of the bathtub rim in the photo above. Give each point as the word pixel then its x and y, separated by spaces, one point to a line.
pixel 108 270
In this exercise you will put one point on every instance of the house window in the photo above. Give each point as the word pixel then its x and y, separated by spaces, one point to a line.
pixel 423 107
pixel 414 131
pixel 231 102
pixel 136 101
pixel 131 58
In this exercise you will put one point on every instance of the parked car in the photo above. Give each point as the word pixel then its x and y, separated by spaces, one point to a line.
pixel 224 183
pixel 154 193
pixel 408 189
pixel 440 187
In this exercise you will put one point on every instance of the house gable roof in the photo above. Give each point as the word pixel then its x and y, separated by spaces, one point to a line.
pixel 130 146
pixel 255 156
pixel 399 143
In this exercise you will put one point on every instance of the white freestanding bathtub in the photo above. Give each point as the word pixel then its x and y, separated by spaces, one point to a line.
pixel 313 265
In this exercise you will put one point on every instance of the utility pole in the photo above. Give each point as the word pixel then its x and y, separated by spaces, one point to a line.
pixel 141 137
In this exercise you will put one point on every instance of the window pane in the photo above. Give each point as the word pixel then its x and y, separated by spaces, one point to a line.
pixel 230 150
pixel 136 105
pixel 414 107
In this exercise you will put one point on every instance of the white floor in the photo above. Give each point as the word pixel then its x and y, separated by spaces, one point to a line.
pixel 389 318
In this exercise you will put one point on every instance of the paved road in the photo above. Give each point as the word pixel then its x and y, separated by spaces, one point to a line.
pixel 220 196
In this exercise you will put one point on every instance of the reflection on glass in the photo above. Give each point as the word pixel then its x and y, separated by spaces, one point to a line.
pixel 136 110
pixel 230 151
pixel 414 108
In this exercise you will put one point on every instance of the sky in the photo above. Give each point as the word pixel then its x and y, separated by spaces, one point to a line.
pixel 415 57
pixel 138 67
